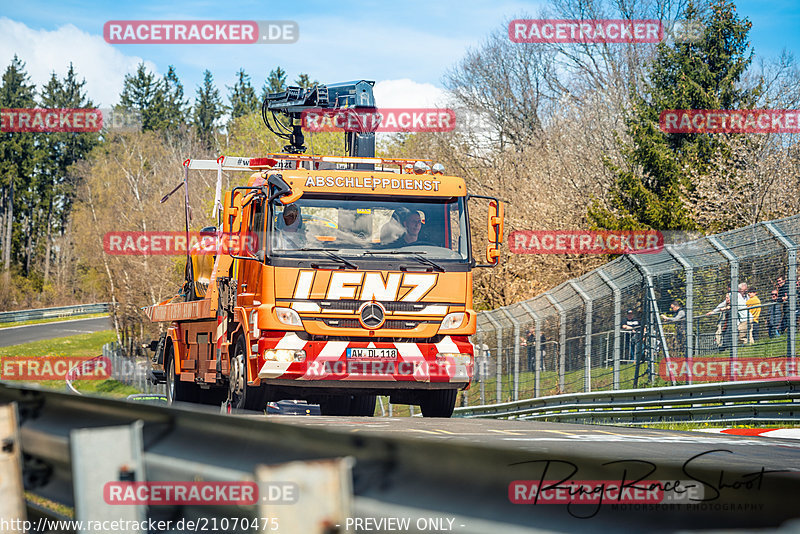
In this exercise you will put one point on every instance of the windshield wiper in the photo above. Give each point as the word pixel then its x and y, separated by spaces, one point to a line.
pixel 330 254
pixel 417 255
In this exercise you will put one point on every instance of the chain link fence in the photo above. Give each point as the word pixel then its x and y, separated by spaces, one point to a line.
pixel 718 308
pixel 131 370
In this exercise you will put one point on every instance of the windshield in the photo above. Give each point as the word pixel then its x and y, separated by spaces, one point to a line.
pixel 435 228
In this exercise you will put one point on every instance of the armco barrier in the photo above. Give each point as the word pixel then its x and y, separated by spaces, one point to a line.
pixel 721 402
pixel 68 448
pixel 46 313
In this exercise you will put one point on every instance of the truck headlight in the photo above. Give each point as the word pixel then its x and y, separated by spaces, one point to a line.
pixel 285 355
pixel 288 317
pixel 452 321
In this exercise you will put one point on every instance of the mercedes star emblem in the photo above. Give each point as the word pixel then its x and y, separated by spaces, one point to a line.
pixel 372 315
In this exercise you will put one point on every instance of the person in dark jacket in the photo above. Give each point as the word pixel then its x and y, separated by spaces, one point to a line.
pixel 783 298
pixel 630 330
pixel 774 314
pixel 679 320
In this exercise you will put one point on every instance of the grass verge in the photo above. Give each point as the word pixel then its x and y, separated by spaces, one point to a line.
pixel 79 346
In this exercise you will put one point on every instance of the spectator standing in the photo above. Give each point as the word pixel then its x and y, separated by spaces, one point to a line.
pixel 754 307
pixel 630 327
pixel 774 315
pixel 783 298
pixel 530 342
pixel 743 314
pixel 679 320
pixel 723 309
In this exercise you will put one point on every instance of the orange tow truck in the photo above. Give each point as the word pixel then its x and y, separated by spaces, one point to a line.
pixel 356 282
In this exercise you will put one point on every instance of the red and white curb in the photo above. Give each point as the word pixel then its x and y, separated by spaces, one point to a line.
pixel 788 433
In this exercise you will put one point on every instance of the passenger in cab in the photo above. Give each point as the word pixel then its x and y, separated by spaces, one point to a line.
pixel 291 228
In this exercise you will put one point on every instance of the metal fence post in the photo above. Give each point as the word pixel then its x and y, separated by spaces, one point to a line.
pixel 791 279
pixel 617 323
pixel 689 270
pixel 537 354
pixel 655 313
pixel 734 292
pixel 516 351
pixel 587 346
pixel 498 355
pixel 562 342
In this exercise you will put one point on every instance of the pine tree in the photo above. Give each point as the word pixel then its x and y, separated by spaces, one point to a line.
pixel 304 81
pixel 650 191
pixel 242 96
pixel 140 94
pixel 208 108
pixel 170 108
pixel 62 150
pixel 276 82
pixel 18 155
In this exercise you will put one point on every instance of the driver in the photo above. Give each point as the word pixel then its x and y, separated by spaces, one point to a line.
pixel 411 224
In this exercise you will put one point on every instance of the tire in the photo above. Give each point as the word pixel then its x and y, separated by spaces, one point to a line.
pixel 241 395
pixel 363 405
pixel 177 391
pixel 336 405
pixel 439 403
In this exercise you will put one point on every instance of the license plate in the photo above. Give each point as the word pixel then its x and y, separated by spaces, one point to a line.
pixel 371 354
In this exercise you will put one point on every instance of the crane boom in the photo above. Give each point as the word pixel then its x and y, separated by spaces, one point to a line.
pixel 292 102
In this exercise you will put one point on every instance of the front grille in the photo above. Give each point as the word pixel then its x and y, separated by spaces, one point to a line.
pixel 354 305
pixel 354 323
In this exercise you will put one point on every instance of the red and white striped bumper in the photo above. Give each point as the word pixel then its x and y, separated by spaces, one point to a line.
pixel 449 361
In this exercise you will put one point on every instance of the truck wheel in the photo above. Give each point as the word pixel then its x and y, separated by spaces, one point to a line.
pixel 177 391
pixel 363 405
pixel 242 396
pixel 336 405
pixel 439 403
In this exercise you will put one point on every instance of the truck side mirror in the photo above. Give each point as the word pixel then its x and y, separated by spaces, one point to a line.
pixel 494 231
pixel 495 222
pixel 231 212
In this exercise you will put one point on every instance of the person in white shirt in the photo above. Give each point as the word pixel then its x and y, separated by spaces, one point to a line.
pixel 742 313
pixel 292 234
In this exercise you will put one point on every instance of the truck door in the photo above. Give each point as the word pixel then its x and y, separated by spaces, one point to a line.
pixel 250 271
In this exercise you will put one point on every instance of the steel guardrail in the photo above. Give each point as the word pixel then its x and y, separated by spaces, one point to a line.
pixel 741 401
pixel 58 312
pixel 390 475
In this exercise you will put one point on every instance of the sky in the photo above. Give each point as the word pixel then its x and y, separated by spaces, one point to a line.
pixel 406 47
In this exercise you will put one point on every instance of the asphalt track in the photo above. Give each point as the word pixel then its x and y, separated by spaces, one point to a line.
pixel 733 481
pixel 552 439
pixel 16 335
